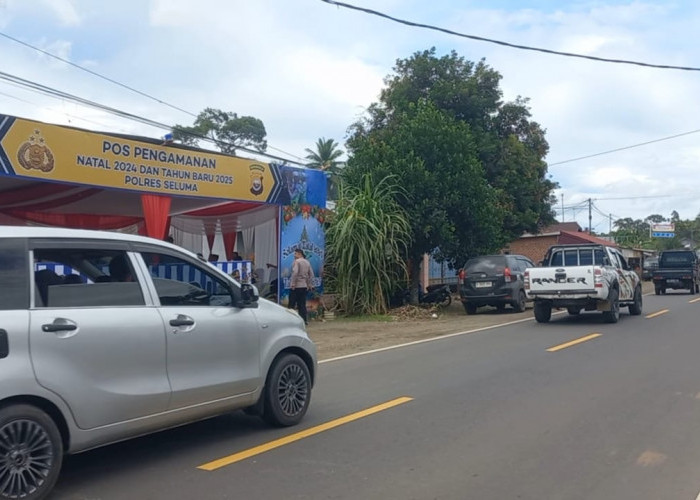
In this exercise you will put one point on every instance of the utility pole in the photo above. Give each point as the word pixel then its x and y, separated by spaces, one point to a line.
pixel 590 216
pixel 562 207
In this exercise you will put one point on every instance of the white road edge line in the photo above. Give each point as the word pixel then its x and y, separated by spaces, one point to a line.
pixel 423 341
pixel 432 339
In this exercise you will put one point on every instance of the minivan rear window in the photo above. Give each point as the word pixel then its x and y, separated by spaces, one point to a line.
pixel 14 274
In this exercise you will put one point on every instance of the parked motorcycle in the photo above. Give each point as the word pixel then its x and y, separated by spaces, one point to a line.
pixel 437 294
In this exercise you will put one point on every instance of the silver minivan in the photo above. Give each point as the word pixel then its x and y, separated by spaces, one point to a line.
pixel 106 336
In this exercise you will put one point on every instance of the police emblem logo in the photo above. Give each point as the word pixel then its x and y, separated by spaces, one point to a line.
pixel 34 154
pixel 256 179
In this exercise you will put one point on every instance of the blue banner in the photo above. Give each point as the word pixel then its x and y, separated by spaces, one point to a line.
pixel 302 226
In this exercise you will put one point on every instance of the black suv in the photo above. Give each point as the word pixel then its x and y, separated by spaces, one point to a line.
pixel 493 280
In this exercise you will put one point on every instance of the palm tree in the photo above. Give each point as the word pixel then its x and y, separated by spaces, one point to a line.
pixel 325 158
pixel 326 155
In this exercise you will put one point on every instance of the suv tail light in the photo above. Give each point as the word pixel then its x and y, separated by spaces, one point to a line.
pixel 526 280
pixel 462 274
pixel 507 275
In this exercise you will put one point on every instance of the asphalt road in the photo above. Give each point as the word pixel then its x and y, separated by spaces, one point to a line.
pixel 505 413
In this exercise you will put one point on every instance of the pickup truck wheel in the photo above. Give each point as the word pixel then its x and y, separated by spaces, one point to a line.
pixel 469 308
pixel 519 305
pixel 613 315
pixel 543 312
pixel 635 308
pixel 573 310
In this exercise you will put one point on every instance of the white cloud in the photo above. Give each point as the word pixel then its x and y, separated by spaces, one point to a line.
pixel 65 10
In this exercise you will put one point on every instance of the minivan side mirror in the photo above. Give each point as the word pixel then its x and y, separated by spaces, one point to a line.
pixel 249 296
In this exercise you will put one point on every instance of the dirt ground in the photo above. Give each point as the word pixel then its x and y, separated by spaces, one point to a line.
pixel 342 336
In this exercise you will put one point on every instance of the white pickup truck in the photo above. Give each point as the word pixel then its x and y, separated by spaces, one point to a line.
pixel 583 277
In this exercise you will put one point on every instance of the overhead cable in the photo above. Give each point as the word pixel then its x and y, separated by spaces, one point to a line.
pixel 624 148
pixel 115 82
pixel 59 94
pixel 506 44
pixel 94 73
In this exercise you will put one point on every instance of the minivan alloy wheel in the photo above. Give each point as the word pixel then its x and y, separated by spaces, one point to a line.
pixel 293 389
pixel 287 391
pixel 30 453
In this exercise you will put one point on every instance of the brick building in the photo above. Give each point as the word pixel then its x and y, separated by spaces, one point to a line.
pixel 535 246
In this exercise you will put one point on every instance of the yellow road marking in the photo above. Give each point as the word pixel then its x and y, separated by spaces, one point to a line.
pixel 694 300
pixel 658 313
pixel 573 342
pixel 237 457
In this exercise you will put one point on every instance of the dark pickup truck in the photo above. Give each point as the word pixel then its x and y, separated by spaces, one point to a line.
pixel 678 269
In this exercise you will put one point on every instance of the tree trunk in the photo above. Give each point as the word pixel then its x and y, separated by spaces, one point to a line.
pixel 415 265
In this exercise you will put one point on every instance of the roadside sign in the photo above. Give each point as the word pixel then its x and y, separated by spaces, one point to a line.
pixel 662 235
pixel 664 227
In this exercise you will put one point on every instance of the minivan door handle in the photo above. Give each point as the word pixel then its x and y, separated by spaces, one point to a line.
pixel 181 321
pixel 54 327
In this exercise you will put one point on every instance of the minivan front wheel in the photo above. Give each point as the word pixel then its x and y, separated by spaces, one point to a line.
pixel 287 391
pixel 31 452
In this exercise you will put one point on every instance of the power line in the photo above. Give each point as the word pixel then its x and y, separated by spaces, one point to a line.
pixel 94 73
pixel 625 148
pixel 43 89
pixel 506 44
pixel 115 82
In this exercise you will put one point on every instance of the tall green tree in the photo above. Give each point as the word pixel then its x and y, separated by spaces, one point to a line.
pixel 365 245
pixel 450 205
pixel 228 131
pixel 509 144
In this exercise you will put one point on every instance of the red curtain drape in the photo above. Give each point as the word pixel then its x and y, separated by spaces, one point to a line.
pixel 156 210
pixel 31 193
pixel 225 209
pixel 229 244
pixel 57 202
pixel 76 221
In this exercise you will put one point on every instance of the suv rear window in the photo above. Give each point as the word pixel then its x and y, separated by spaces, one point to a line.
pixel 489 264
pixel 14 274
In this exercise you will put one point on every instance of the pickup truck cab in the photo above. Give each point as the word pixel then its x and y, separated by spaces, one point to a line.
pixel 678 269
pixel 586 277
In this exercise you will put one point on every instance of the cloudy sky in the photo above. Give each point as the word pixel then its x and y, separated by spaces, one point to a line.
pixel 308 69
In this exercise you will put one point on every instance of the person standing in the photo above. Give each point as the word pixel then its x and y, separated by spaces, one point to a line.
pixel 301 283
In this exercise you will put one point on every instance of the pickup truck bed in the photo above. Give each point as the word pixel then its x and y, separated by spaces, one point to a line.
pixel 678 270
pixel 583 277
